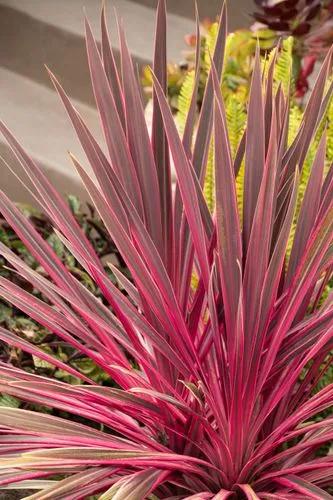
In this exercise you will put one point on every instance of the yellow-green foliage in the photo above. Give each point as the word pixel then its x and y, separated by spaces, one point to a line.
pixel 210 40
pixel 209 188
pixel 235 86
pixel 238 57
pixel 240 188
pixel 283 69
pixel 327 123
pixel 236 120
pixel 235 89
pixel 296 114
pixel 184 100
pixel 236 76
pixel 240 48
pixel 329 151
pixel 295 118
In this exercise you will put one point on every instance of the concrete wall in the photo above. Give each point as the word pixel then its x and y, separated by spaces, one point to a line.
pixel 38 32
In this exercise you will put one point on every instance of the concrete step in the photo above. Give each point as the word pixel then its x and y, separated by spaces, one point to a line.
pixel 38 32
pixel 35 32
pixel 239 11
pixel 37 117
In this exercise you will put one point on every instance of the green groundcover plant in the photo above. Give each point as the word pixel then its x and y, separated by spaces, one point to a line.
pixel 215 383
pixel 20 323
pixel 309 22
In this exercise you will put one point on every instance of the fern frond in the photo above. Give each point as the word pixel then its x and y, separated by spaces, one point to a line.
pixel 296 115
pixel 284 65
pixel 306 169
pixel 209 186
pixel 210 41
pixel 184 100
pixel 236 120
pixel 295 118
pixel 240 188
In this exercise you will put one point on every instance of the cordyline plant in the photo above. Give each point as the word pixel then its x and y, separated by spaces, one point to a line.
pixel 18 322
pixel 215 393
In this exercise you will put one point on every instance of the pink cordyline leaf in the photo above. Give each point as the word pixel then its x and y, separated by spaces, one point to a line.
pixel 215 390
pixel 255 150
pixel 199 158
